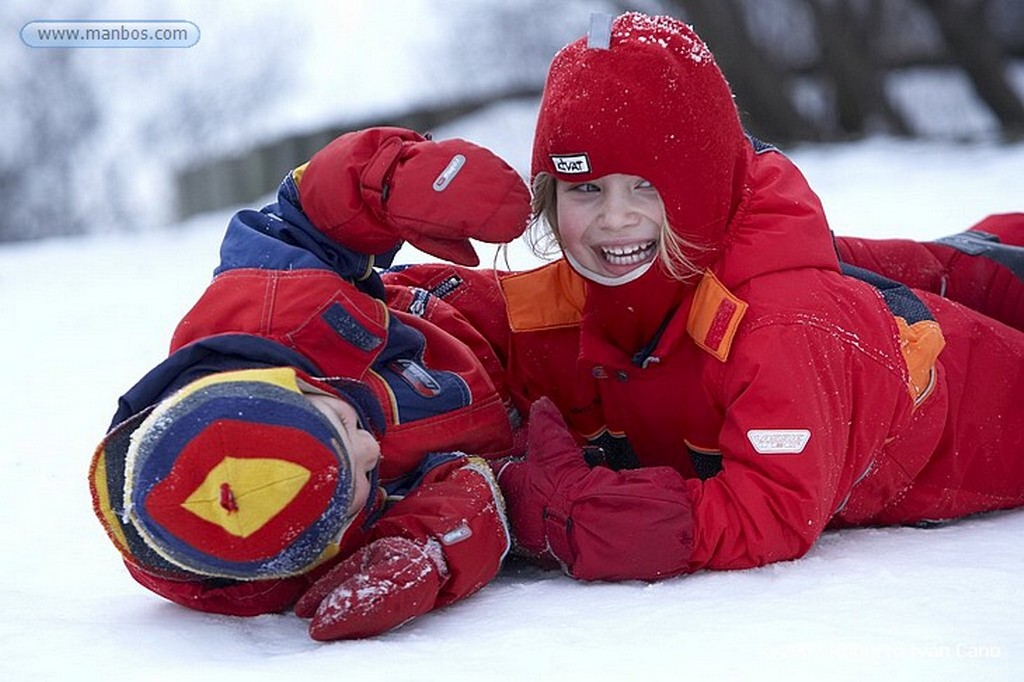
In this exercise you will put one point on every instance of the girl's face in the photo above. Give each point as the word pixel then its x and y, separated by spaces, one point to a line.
pixel 610 225
pixel 363 449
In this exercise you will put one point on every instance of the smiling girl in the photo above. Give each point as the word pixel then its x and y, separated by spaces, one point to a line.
pixel 739 390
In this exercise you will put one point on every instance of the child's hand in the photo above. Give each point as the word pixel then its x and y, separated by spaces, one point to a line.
pixel 536 487
pixel 374 189
pixel 594 523
pixel 439 194
pixel 384 584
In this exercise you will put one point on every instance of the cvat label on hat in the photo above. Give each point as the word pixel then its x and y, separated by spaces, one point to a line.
pixel 571 163
pixel 779 441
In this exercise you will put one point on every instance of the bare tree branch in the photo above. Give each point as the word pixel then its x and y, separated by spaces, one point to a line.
pixel 761 85
pixel 978 52
pixel 849 60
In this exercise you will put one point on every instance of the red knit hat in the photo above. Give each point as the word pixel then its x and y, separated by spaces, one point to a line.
pixel 648 100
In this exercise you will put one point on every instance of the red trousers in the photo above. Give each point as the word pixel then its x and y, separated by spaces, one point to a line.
pixel 979 462
pixel 969 268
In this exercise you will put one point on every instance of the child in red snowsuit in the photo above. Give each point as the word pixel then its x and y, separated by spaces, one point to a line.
pixel 739 389
pixel 240 475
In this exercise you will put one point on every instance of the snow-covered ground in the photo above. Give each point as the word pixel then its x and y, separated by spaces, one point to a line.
pixel 83 318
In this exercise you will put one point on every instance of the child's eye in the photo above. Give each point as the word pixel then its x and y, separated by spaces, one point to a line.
pixel 348 424
pixel 585 187
pixel 644 184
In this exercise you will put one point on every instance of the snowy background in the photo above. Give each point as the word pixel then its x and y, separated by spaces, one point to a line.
pixel 84 317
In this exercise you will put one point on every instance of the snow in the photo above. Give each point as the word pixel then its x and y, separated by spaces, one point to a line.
pixel 85 317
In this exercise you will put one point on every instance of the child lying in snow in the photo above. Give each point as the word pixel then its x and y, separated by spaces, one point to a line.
pixel 240 475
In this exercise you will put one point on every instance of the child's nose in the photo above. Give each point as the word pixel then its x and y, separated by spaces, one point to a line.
pixel 369 448
pixel 618 212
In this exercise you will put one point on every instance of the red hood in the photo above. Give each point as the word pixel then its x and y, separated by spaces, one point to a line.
pixel 780 225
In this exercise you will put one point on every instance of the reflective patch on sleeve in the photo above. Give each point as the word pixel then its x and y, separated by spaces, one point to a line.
pixel 778 441
pixel 418 305
pixel 416 376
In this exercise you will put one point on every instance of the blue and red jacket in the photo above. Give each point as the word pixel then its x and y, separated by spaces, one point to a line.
pixel 286 294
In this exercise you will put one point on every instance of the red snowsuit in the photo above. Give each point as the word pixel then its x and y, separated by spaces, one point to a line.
pixel 778 398
pixel 291 293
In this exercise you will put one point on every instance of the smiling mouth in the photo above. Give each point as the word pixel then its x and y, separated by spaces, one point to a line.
pixel 633 254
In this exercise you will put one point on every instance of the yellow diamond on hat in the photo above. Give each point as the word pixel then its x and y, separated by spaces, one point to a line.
pixel 259 488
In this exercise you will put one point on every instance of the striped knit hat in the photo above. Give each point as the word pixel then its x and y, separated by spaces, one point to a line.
pixel 236 475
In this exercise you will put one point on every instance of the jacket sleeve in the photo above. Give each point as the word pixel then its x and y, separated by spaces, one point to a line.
pixel 472 295
pixel 456 502
pixel 652 523
pixel 465 303
pixel 334 230
pixel 799 431
pixel 281 237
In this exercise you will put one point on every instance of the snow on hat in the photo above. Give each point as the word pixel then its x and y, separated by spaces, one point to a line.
pixel 646 98
pixel 236 475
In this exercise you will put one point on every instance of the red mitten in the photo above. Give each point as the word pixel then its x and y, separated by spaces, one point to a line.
pixel 384 584
pixel 373 189
pixel 538 488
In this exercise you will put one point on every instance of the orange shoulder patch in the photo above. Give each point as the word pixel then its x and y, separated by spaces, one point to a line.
pixel 548 297
pixel 714 317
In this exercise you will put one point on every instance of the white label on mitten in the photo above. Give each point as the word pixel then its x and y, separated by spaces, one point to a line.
pixel 449 172
pixel 456 535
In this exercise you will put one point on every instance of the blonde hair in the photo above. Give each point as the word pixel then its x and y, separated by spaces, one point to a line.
pixel 545 241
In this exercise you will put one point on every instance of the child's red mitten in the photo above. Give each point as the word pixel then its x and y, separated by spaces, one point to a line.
pixel 383 585
pixel 373 189
pixel 538 489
